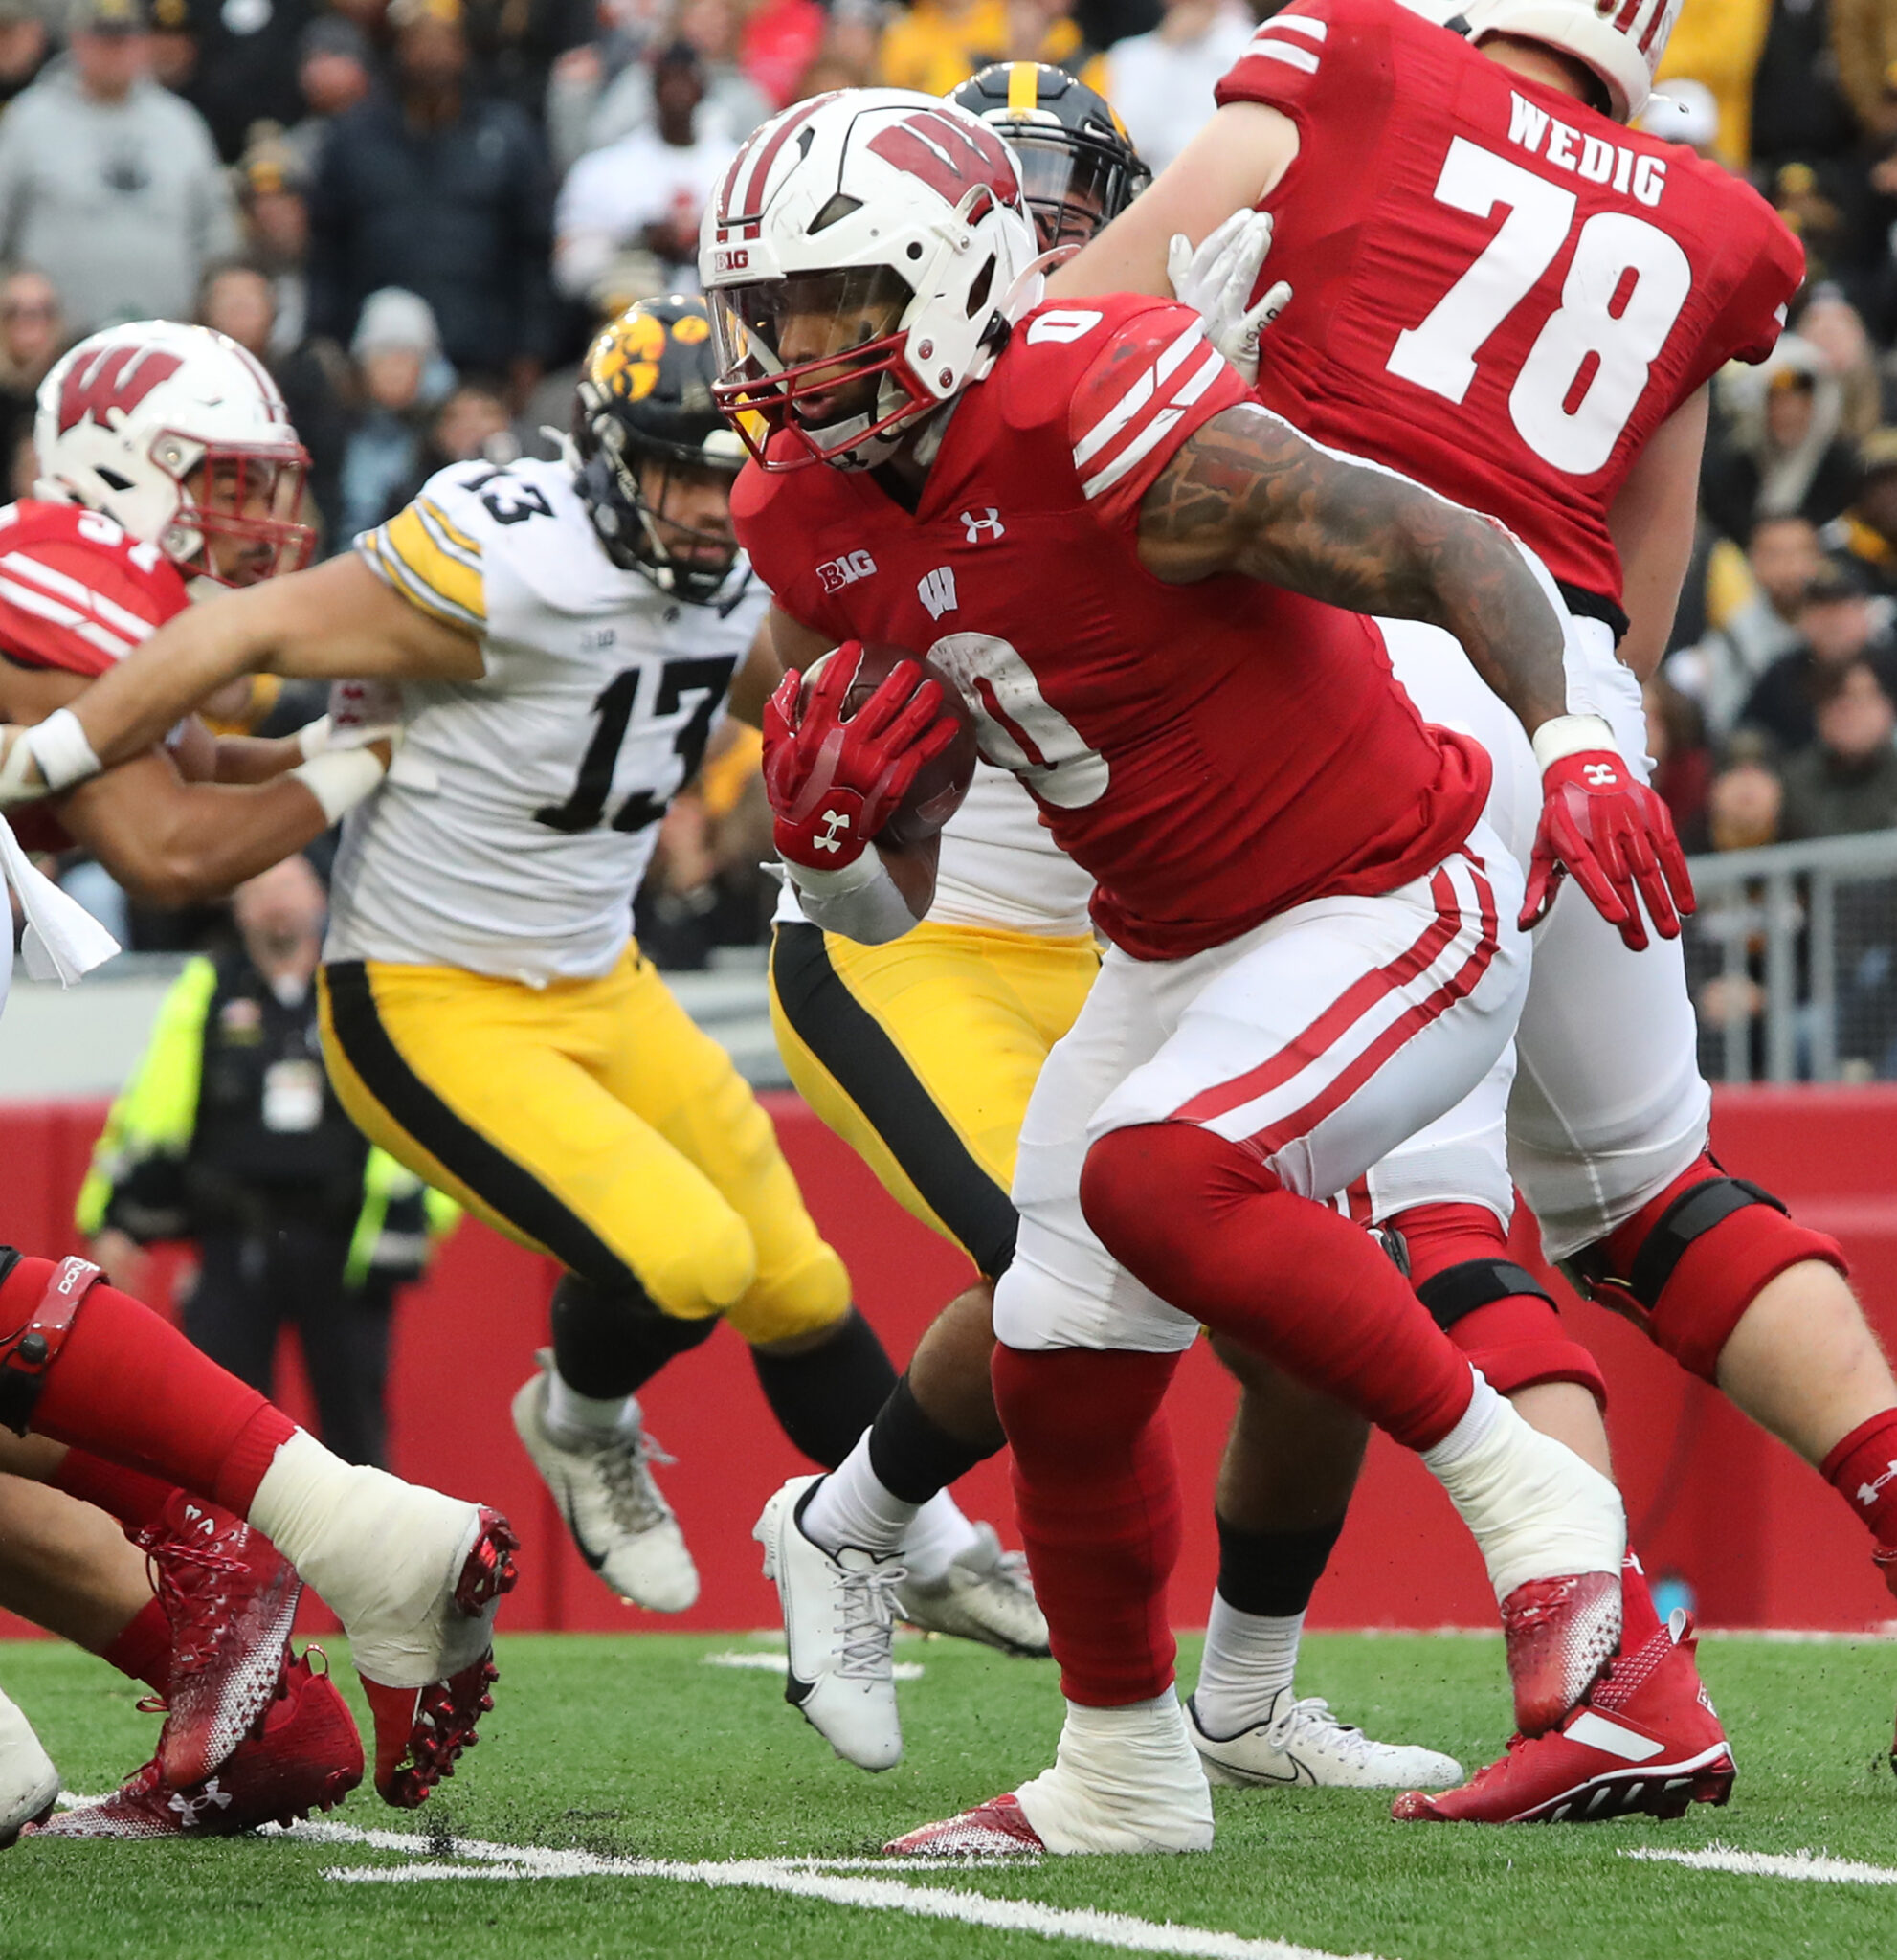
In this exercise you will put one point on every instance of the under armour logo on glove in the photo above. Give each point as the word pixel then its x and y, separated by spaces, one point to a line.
pixel 1868 1493
pixel 1609 832
pixel 833 820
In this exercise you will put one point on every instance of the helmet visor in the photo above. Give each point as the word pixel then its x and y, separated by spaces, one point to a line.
pixel 1072 187
pixel 810 355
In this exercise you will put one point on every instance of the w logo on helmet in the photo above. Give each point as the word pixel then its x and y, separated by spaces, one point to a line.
pixel 953 157
pixel 115 378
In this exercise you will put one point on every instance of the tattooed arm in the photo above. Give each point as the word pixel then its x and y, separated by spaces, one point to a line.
pixel 1247 494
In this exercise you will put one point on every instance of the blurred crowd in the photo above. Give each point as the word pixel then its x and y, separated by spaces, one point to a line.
pixel 415 211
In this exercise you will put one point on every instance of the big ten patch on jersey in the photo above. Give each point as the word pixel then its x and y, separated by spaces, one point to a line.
pixel 1496 290
pixel 77 591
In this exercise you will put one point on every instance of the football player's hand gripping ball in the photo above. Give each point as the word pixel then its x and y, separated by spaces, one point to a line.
pixel 1217 280
pixel 1604 827
pixel 833 780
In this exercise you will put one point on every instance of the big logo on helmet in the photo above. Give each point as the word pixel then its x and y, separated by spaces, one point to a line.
pixel 951 157
pixel 118 378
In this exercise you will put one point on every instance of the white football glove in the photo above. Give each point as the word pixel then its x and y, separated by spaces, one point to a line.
pixel 360 712
pixel 1217 280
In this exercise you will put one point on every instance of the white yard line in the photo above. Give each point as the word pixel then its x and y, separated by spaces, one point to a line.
pixel 773 1663
pixel 797 1878
pixel 1809 1865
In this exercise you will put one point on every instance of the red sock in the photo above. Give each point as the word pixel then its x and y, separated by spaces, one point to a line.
pixel 1210 1229
pixel 143 1650
pixel 131 1495
pixel 1099 1502
pixel 129 1387
pixel 1640 1620
pixel 1862 1470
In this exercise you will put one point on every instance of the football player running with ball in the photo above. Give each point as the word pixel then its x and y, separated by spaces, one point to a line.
pixel 922 1053
pixel 561 636
pixel 1314 941
pixel 1505 292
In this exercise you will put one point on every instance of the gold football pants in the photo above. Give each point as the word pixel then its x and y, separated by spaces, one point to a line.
pixel 590 1120
pixel 920 1055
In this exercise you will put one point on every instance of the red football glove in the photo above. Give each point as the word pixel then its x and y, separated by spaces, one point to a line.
pixel 1601 825
pixel 833 784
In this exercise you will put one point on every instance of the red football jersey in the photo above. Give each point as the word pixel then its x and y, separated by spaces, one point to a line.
pixel 1495 290
pixel 76 591
pixel 1211 753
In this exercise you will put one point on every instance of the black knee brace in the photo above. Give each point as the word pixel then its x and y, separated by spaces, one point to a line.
pixel 1459 1290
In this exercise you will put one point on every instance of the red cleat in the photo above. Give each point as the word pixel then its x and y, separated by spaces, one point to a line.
pixel 305 1756
pixel 1562 1636
pixel 1646 1741
pixel 996 1829
pixel 231 1597
pixel 420 1733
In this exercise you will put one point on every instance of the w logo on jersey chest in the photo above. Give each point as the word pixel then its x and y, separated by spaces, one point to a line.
pixel 936 590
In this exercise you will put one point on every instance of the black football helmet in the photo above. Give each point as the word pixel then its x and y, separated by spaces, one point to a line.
pixel 643 418
pixel 1078 167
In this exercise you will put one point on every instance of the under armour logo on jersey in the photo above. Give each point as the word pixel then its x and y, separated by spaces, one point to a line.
pixel 1867 1493
pixel 987 524
pixel 1602 775
pixel 936 590
pixel 834 822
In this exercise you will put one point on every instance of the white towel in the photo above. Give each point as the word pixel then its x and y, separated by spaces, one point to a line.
pixel 62 940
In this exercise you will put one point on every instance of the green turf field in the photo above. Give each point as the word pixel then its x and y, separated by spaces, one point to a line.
pixel 636 1756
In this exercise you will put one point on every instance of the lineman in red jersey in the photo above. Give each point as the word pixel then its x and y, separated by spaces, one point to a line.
pixel 1504 292
pixel 166 461
pixel 1314 942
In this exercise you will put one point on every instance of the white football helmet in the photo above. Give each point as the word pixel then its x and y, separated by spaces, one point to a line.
pixel 863 259
pixel 181 436
pixel 1619 41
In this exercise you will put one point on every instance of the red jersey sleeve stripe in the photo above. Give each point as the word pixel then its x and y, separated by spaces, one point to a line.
pixel 1295 23
pixel 1136 397
pixel 1283 51
pixel 1162 425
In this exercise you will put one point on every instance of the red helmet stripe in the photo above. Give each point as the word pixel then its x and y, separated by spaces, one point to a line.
pixel 750 212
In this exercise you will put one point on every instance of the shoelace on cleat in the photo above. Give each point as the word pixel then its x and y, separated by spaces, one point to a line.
pixel 182 1575
pixel 867 1621
pixel 625 1470
pixel 1310 1715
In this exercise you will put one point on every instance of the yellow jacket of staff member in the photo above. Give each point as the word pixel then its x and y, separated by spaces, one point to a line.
pixel 154 1118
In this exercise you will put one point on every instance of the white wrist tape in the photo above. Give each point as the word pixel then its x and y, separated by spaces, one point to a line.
pixel 340 779
pixel 1570 735
pixel 60 749
pixel 862 870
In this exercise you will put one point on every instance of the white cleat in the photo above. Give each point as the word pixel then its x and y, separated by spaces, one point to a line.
pixel 1124 1780
pixel 621 1522
pixel 839 1624
pixel 984 1596
pixel 1303 1743
pixel 29 1783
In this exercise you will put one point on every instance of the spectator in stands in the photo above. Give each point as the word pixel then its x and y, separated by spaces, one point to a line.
pixel 402 376
pixel 1836 626
pixel 240 300
pixel 1721 672
pixel 1799 112
pixel 1847 779
pixel 584 115
pixel 1871 522
pixel 1776 450
pixel 429 187
pixel 627 222
pixel 273 206
pixel 335 71
pixel 109 184
pixel 229 1134
pixel 33 336
pixel 239 62
pixel 581 79
pixel 1048 30
pixel 780 39
pixel 1745 798
pixel 1864 40
pixel 25 47
pixel 1162 82
pixel 1718 44
pixel 516 43
pixel 936 45
pixel 471 425
pixel 1829 323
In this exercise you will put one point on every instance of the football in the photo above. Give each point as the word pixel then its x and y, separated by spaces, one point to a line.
pixel 941 783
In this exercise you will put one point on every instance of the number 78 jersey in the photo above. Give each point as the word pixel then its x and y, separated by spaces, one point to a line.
pixel 524 808
pixel 1496 290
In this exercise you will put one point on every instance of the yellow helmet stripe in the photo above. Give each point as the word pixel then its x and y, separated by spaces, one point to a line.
pixel 1023 87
